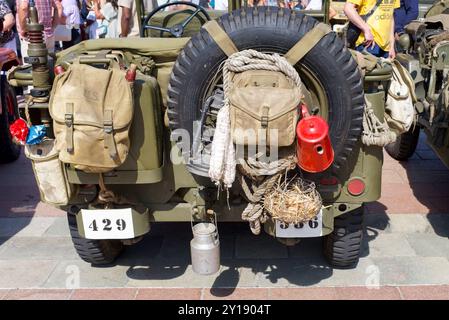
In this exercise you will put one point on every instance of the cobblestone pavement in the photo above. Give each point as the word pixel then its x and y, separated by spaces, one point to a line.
pixel 405 253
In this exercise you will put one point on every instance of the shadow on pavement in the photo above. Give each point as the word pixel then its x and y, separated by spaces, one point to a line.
pixel 164 254
pixel 19 197
pixel 429 181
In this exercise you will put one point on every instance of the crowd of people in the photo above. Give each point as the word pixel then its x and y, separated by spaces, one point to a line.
pixel 70 21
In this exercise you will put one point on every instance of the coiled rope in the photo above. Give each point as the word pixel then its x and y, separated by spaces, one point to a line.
pixel 222 170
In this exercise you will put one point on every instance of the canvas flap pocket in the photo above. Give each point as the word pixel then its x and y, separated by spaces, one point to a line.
pixel 49 173
pixel 92 111
pixel 264 108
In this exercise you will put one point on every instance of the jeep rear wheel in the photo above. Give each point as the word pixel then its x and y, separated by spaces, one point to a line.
pixel 96 252
pixel 405 145
pixel 9 151
pixel 328 71
pixel 342 247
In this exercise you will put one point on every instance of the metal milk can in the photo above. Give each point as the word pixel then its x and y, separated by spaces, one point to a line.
pixel 205 248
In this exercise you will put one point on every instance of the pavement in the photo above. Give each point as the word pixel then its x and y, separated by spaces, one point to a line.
pixel 405 253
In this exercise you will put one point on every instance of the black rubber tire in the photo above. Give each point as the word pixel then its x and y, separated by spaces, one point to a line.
pixel 96 252
pixel 271 29
pixel 9 151
pixel 405 145
pixel 343 246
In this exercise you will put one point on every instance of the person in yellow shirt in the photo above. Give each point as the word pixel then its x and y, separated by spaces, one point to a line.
pixel 377 30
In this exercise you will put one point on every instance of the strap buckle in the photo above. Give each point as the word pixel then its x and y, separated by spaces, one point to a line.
pixel 68 119
pixel 107 125
pixel 264 119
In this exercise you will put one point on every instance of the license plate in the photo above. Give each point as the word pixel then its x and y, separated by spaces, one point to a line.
pixel 308 229
pixel 108 223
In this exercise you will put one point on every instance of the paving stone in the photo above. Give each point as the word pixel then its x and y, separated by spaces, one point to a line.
pixel 307 251
pixel 364 293
pixel 429 165
pixel 408 223
pixel 25 273
pixel 291 273
pixel 3 293
pixel 27 194
pixel 55 248
pixel 235 294
pixel 24 227
pixel 425 292
pixel 17 209
pixel 75 274
pixel 59 228
pixel 376 221
pixel 406 204
pixel 46 210
pixel 231 274
pixel 418 176
pixel 237 272
pixel 38 294
pixel 302 293
pixel 386 245
pixel 427 155
pixel 227 246
pixel 399 223
pixel 335 293
pixel 169 294
pixel 142 253
pixel 104 294
pixel 412 270
pixel 168 275
pixel 439 223
pixel 392 176
pixel 364 274
pixel 429 245
pixel 259 247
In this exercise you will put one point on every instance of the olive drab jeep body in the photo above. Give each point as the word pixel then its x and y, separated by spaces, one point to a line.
pixel 174 71
pixel 425 47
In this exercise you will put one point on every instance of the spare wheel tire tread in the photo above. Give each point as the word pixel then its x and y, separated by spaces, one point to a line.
pixel 272 29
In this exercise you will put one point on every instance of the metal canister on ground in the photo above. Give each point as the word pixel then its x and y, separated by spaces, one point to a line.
pixel 205 248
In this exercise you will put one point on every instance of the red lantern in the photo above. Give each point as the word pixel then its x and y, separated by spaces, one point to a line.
pixel 314 150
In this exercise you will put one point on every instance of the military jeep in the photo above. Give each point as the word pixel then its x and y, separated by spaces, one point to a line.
pixel 178 91
pixel 426 47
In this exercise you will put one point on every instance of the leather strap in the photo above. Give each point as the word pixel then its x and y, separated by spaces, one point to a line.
pixel 220 37
pixel 310 40
pixel 69 127
pixel 109 134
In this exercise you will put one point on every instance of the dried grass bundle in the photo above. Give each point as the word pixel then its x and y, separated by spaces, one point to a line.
pixel 293 201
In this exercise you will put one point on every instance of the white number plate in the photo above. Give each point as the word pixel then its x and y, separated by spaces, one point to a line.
pixel 108 223
pixel 312 228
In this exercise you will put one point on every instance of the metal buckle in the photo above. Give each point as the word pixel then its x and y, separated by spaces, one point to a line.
pixel 264 121
pixel 107 125
pixel 68 119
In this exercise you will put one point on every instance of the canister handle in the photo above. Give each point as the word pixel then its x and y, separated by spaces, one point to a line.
pixel 215 222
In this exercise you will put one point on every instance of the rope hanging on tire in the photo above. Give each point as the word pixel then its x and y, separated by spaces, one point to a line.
pixel 222 161
pixel 263 176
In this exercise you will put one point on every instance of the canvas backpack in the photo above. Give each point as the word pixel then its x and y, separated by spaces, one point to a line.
pixel 262 102
pixel 92 110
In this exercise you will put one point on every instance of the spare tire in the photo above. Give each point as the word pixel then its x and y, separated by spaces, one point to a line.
pixel 328 67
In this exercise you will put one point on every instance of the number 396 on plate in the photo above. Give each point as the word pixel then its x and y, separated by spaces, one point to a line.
pixel 108 224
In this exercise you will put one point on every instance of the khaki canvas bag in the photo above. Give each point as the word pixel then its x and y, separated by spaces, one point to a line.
pixel 399 107
pixel 266 103
pixel 49 173
pixel 92 109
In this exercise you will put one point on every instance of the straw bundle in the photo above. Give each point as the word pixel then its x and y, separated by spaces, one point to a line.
pixel 293 201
